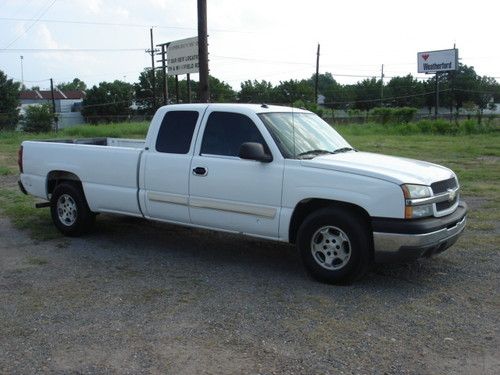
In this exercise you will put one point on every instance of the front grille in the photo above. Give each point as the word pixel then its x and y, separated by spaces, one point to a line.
pixel 442 186
pixel 441 206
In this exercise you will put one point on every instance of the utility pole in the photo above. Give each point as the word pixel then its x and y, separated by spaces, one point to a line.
pixel 382 86
pixel 453 87
pixel 53 104
pixel 165 77
pixel 22 73
pixel 177 97
pixel 204 90
pixel 189 87
pixel 437 96
pixel 152 52
pixel 317 78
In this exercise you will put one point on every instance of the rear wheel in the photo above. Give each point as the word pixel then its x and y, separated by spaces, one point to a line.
pixel 334 245
pixel 70 211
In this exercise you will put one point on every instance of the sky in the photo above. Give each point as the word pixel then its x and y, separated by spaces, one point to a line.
pixel 272 40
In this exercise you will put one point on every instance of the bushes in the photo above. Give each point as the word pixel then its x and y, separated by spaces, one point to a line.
pixel 38 118
pixel 438 127
pixel 386 115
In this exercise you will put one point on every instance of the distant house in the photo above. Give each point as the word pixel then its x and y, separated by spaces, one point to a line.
pixel 68 104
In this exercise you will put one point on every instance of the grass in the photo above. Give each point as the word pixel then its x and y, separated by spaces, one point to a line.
pixel 5 171
pixel 22 212
pixel 474 157
pixel 36 261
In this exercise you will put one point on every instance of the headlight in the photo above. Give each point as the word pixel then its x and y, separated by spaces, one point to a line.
pixel 416 191
pixel 412 194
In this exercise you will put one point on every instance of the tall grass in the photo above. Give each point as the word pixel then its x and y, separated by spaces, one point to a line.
pixel 431 127
pixel 117 130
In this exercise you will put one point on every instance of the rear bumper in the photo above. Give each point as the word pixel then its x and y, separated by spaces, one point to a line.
pixel 404 240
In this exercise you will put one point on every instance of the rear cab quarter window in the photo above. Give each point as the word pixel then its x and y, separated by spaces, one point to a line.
pixel 176 132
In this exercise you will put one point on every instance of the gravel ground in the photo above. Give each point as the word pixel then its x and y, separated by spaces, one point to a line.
pixel 139 297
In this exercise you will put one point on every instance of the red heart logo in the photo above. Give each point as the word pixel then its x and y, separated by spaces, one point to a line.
pixel 425 57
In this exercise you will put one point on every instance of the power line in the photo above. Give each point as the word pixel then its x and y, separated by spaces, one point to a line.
pixel 69 50
pixel 33 24
pixel 388 98
pixel 136 25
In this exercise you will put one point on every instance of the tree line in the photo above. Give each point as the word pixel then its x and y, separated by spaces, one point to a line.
pixel 110 101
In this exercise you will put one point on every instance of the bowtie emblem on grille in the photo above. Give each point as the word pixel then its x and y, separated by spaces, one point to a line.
pixel 451 194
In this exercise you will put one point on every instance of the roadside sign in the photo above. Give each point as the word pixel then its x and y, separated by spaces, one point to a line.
pixel 182 56
pixel 437 61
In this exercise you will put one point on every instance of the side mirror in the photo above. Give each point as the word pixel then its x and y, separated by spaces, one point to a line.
pixel 254 151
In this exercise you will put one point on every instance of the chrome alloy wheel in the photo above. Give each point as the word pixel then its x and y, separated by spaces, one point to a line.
pixel 331 248
pixel 67 210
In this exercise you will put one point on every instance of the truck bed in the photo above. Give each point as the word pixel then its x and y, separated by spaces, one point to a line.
pixel 106 167
pixel 102 141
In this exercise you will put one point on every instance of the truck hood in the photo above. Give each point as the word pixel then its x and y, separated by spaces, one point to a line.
pixel 389 168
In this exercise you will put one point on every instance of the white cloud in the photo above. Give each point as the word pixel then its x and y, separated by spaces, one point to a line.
pixel 93 6
pixel 45 38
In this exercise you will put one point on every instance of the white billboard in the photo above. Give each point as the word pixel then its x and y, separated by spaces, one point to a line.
pixel 437 61
pixel 182 56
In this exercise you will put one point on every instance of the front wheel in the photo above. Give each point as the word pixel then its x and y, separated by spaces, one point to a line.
pixel 70 211
pixel 334 245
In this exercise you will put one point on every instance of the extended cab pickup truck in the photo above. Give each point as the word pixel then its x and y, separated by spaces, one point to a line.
pixel 272 172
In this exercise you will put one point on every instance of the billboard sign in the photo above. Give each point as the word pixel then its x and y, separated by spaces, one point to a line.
pixel 182 56
pixel 437 61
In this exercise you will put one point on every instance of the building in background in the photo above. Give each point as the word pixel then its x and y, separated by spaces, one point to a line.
pixel 68 104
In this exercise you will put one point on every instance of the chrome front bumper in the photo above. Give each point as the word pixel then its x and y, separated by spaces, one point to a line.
pixel 437 237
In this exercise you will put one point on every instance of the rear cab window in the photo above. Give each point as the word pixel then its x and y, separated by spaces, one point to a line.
pixel 176 132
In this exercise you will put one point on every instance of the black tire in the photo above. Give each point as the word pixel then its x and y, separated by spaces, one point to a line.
pixel 340 252
pixel 69 209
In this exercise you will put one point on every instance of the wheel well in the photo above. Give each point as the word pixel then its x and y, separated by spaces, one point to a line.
pixel 54 178
pixel 305 207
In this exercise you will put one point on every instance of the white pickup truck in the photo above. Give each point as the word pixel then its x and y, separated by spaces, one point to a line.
pixel 272 172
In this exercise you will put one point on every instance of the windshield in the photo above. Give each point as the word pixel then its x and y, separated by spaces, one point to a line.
pixel 303 135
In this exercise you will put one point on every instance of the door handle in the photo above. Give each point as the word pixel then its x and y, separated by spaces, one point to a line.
pixel 200 171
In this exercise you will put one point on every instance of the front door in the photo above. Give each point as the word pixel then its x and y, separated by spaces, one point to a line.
pixel 230 193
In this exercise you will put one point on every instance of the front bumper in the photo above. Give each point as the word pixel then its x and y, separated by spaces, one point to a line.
pixel 21 187
pixel 404 240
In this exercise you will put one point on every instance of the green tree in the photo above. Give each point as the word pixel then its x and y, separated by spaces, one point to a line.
pixel 485 94
pixel 143 90
pixel 9 102
pixel 38 118
pixel 330 89
pixel 325 82
pixel 405 92
pixel 110 101
pixel 343 97
pixel 256 92
pixel 367 94
pixel 220 91
pixel 76 84
pixel 288 92
pixel 463 84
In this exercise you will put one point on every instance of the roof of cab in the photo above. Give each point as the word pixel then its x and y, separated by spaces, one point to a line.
pixel 256 108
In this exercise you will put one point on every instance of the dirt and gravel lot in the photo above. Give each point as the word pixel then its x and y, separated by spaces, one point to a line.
pixel 140 297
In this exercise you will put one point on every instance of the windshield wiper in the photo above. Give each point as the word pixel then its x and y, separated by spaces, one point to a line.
pixel 343 149
pixel 313 153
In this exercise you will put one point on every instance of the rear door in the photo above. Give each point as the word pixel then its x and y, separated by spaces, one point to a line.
pixel 167 167
pixel 230 193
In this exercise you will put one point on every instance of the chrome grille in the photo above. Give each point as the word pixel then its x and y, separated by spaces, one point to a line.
pixel 441 206
pixel 444 185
